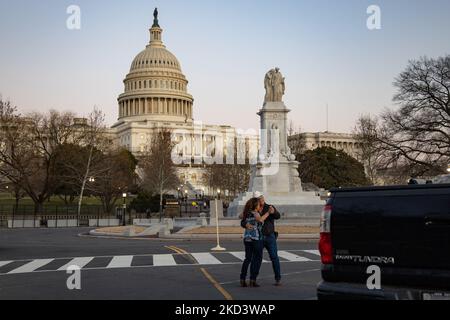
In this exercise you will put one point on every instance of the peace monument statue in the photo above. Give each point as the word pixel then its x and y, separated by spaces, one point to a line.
pixel 274 85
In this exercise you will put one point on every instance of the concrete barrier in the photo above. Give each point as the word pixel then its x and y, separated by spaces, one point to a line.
pixel 169 223
pixel 24 224
pixel 62 223
pixel 184 222
pixel 104 222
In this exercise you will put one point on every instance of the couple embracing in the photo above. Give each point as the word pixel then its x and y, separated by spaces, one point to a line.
pixel 258 220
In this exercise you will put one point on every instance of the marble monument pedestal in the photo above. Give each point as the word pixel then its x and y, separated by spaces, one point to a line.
pixel 281 186
pixel 277 176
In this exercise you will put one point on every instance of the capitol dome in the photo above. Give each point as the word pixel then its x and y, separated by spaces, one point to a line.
pixel 153 57
pixel 155 87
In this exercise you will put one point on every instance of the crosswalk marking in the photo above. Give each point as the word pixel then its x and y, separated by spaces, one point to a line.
pixel 79 262
pixel 156 260
pixel 291 257
pixel 31 266
pixel 241 256
pixel 120 262
pixel 163 260
pixel 206 258
pixel 316 252
pixel 4 263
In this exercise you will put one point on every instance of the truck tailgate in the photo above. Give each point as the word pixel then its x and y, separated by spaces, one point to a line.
pixel 406 232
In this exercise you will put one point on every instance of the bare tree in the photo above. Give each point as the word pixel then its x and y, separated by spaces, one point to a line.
pixel 418 133
pixel 232 177
pixel 28 152
pixel 92 137
pixel 118 175
pixel 159 172
pixel 370 152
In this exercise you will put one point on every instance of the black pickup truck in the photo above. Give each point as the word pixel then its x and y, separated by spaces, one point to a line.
pixel 403 230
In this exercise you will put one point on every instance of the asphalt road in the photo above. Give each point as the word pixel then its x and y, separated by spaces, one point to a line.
pixel 33 265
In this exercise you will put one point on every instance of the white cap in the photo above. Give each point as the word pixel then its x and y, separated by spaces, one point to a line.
pixel 257 195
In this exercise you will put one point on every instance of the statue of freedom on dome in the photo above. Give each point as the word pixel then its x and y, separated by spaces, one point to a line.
pixel 274 85
pixel 155 18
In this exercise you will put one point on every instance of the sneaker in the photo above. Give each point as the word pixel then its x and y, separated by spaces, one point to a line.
pixel 277 283
pixel 243 284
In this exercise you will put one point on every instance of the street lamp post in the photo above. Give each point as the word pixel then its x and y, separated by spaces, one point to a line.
pixel 203 199
pixel 186 202
pixel 179 200
pixel 218 247
pixel 124 208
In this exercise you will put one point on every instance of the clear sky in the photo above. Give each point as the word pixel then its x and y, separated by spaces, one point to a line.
pixel 323 48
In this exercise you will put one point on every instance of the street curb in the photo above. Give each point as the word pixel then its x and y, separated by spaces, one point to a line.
pixel 191 237
pixel 237 236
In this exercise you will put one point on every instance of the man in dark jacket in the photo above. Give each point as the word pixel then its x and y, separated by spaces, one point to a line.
pixel 270 236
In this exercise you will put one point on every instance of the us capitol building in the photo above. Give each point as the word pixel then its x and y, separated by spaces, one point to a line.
pixel 156 97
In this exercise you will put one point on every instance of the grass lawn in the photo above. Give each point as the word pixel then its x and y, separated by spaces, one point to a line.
pixel 7 199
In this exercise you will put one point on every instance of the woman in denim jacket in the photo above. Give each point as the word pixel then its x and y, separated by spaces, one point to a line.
pixel 253 241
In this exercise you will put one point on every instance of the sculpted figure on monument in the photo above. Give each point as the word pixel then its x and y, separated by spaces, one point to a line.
pixel 268 86
pixel 155 18
pixel 274 85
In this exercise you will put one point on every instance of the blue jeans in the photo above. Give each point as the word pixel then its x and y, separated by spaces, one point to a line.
pixel 253 258
pixel 270 243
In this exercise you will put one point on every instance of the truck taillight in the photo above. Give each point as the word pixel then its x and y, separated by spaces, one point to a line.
pixel 325 219
pixel 325 246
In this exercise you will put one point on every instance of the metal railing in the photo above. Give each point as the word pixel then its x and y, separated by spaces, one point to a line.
pixel 61 216
pixel 57 216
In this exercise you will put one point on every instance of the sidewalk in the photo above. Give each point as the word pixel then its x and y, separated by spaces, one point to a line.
pixel 206 233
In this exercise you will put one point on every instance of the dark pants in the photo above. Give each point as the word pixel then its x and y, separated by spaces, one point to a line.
pixel 253 258
pixel 270 243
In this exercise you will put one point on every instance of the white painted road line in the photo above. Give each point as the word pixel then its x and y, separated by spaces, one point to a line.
pixel 120 262
pixel 316 252
pixel 241 256
pixel 206 258
pixel 31 266
pixel 79 262
pixel 291 257
pixel 163 260
pixel 4 263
